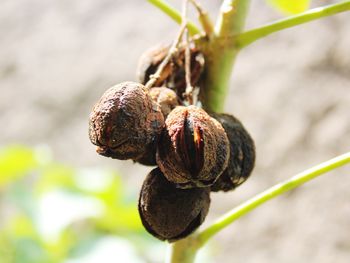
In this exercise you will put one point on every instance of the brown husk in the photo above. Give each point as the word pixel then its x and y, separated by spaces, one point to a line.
pixel 169 213
pixel 242 154
pixel 193 149
pixel 125 122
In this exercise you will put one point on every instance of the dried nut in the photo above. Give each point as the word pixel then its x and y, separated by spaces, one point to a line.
pixel 125 122
pixel 242 154
pixel 169 213
pixel 166 98
pixel 173 76
pixel 193 149
pixel 149 62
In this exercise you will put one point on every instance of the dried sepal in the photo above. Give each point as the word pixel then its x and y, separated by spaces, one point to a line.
pixel 169 213
pixel 242 154
pixel 193 149
pixel 125 122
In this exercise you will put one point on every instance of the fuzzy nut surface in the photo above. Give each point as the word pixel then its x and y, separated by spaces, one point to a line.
pixel 242 154
pixel 169 213
pixel 125 122
pixel 193 150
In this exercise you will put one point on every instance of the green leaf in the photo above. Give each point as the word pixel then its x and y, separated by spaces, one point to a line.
pixel 29 176
pixel 290 7
pixel 7 250
pixel 22 226
pixel 120 215
pixel 55 176
pixel 15 162
pixel 29 251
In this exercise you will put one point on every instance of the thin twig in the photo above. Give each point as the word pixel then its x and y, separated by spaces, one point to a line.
pixel 203 18
pixel 172 51
pixel 189 87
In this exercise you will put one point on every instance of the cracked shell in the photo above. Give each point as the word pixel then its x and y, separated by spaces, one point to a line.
pixel 193 149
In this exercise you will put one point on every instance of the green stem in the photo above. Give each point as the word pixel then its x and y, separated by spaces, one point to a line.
pixel 232 17
pixel 222 49
pixel 174 14
pixel 183 251
pixel 269 194
pixel 250 36
pixel 220 55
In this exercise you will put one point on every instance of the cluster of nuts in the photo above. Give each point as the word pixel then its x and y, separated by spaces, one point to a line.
pixel 196 152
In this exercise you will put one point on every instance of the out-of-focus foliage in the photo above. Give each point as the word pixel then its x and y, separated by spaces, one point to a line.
pixel 53 213
pixel 289 7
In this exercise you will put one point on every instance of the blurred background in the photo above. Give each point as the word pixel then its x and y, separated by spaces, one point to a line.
pixel 62 202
